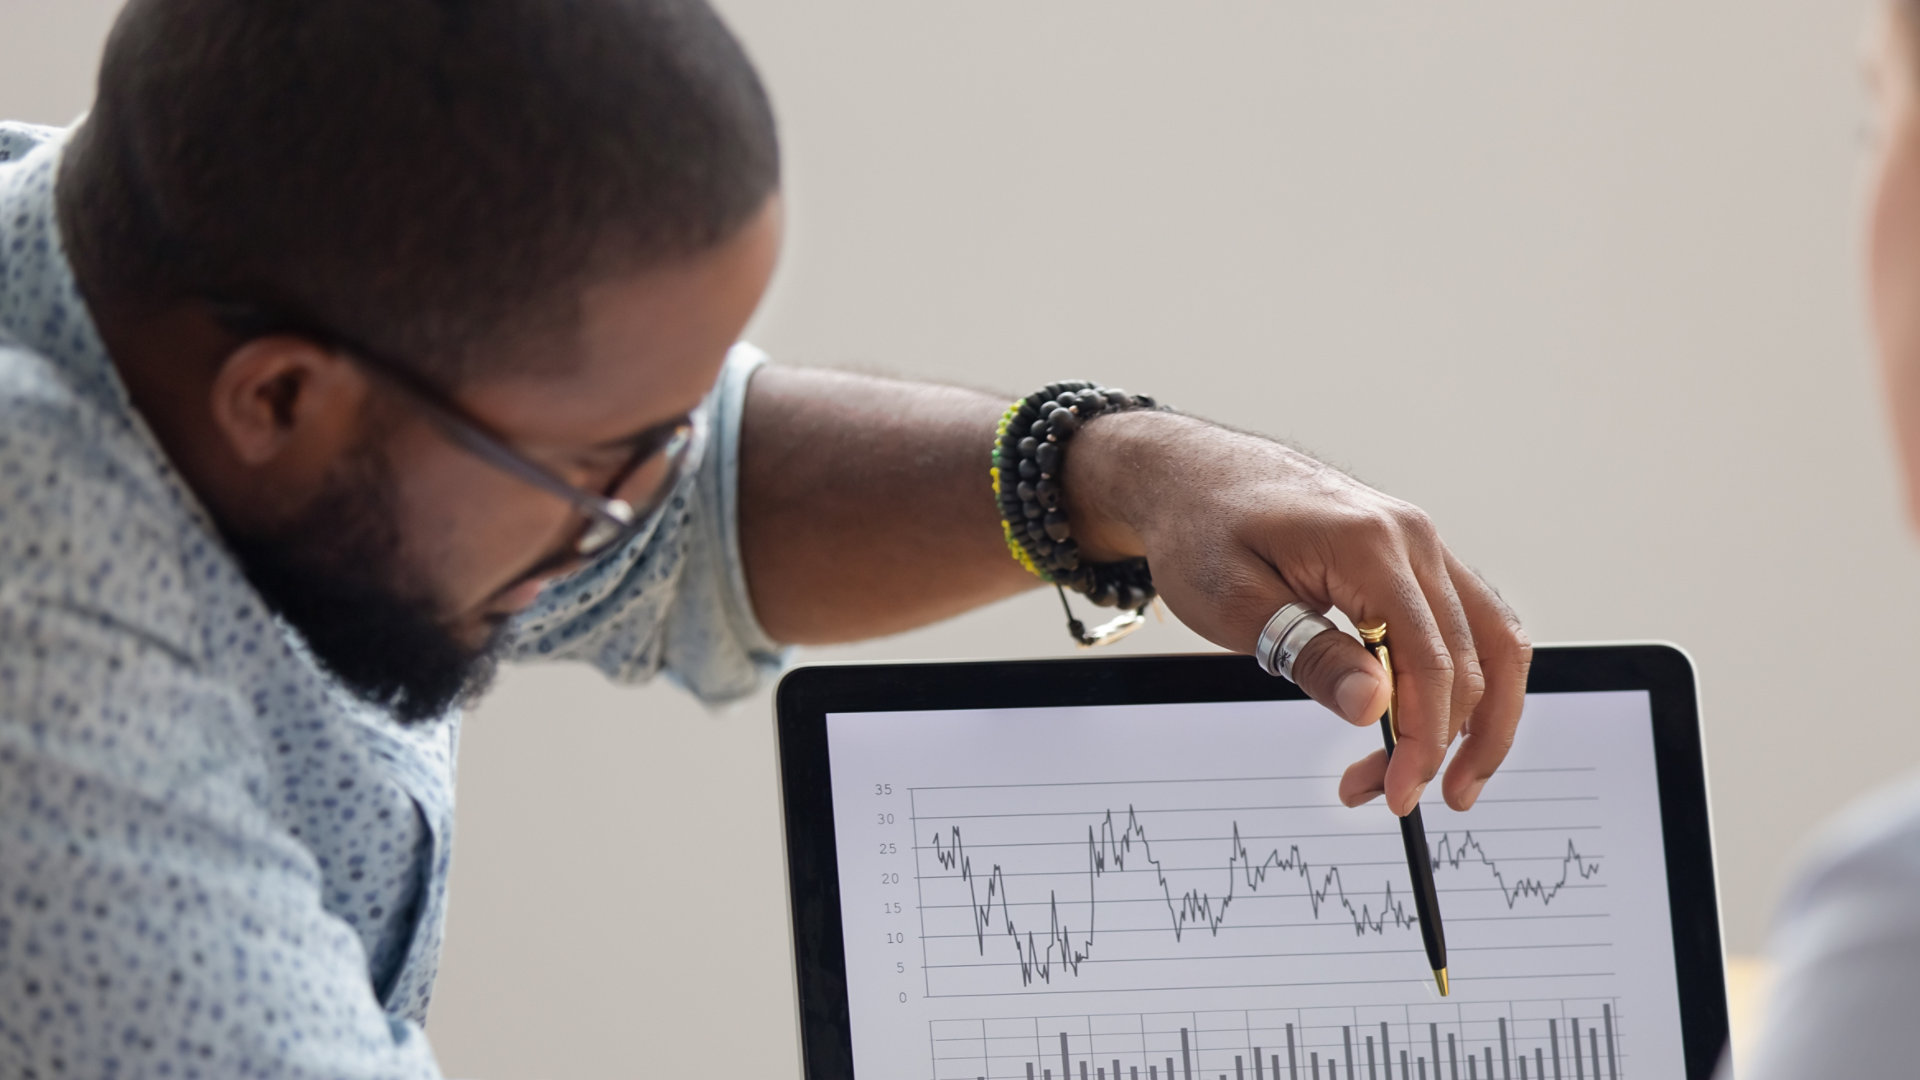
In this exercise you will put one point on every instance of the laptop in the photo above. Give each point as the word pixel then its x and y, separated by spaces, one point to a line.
pixel 1137 869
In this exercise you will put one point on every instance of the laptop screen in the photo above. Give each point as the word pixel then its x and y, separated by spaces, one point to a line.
pixel 1173 892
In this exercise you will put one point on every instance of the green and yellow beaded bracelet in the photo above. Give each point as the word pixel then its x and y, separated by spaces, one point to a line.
pixel 1029 452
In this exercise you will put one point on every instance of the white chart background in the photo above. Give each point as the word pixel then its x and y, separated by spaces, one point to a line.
pixel 1088 887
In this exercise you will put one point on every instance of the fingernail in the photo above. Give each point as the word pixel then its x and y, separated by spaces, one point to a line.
pixel 1472 794
pixel 1414 801
pixel 1355 692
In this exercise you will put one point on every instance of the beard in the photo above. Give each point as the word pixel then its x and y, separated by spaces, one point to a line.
pixel 338 576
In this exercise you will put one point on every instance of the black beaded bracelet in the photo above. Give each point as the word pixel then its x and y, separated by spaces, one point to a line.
pixel 1028 453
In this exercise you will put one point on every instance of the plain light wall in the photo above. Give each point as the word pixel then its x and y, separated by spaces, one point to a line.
pixel 1578 279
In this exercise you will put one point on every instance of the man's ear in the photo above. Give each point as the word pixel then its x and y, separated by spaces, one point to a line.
pixel 284 401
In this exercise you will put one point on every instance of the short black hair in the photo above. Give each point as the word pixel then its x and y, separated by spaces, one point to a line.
pixel 433 177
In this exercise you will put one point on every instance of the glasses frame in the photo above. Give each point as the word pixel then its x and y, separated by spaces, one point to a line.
pixel 609 522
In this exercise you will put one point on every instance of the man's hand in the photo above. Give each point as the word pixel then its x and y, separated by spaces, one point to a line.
pixel 1237 526
pixel 864 510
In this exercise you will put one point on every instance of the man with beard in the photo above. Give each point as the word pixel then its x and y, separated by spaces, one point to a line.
pixel 347 347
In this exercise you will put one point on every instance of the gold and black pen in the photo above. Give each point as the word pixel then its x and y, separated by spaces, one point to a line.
pixel 1413 833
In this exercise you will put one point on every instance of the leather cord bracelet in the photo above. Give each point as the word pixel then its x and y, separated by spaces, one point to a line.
pixel 1029 454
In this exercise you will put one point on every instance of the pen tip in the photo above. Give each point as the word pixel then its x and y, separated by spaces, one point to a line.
pixel 1440 980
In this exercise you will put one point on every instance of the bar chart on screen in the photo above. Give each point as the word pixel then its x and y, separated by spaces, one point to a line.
pixel 1534 1040
pixel 1175 893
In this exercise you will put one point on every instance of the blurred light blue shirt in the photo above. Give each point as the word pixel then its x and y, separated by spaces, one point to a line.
pixel 1846 952
pixel 213 860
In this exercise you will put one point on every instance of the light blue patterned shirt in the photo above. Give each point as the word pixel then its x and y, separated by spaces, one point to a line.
pixel 214 861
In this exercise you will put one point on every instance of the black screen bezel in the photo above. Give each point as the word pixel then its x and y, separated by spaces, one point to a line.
pixel 808 694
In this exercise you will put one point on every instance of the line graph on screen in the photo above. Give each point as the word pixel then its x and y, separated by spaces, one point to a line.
pixel 1242 882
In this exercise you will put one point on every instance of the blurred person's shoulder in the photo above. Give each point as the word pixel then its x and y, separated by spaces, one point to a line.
pixel 1846 949
pixel 17 138
pixel 1862 870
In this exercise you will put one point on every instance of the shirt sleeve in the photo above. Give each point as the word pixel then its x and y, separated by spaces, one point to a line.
pixel 675 599
pixel 155 919
pixel 1847 953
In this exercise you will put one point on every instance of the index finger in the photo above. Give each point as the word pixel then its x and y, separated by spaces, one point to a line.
pixel 1423 687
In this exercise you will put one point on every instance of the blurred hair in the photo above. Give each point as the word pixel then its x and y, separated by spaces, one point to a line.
pixel 437 178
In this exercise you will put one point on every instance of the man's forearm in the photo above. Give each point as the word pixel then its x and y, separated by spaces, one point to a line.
pixel 864 504
pixel 864 511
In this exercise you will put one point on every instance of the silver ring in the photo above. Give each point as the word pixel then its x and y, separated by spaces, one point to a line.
pixel 1286 635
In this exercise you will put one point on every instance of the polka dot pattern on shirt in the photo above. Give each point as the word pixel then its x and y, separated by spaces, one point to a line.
pixel 214 861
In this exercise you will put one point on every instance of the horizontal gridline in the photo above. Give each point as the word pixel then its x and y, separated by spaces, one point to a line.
pixel 1226 927
pixel 1271 1020
pixel 1558 856
pixel 1156 811
pixel 1272 1059
pixel 962 1042
pixel 1275 985
pixel 961 1052
pixel 1303 1046
pixel 1209 780
pixel 1251 837
pixel 1216 957
pixel 1243 898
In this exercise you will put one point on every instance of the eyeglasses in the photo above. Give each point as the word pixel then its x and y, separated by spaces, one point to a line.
pixel 661 459
pixel 612 516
